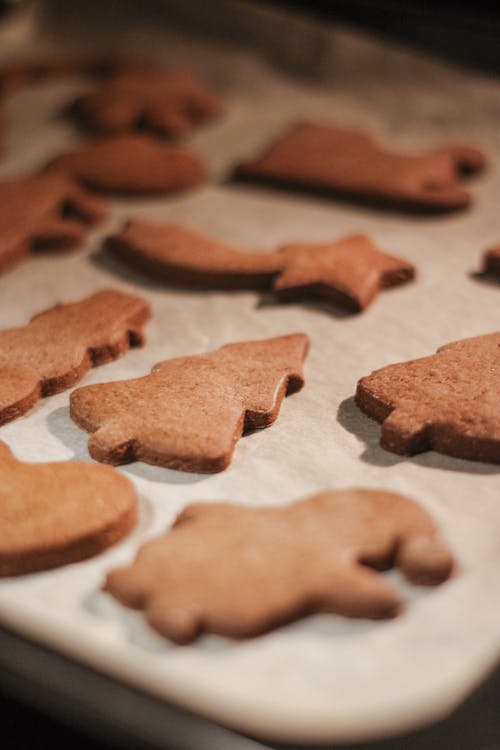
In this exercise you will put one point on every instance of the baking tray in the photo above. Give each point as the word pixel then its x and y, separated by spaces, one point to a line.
pixel 324 678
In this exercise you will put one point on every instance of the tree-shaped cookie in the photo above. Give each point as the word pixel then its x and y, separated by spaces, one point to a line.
pixel 168 103
pixel 349 272
pixel 59 513
pixel 59 345
pixel 351 165
pixel 130 164
pixel 448 402
pixel 239 571
pixel 48 212
pixel 189 413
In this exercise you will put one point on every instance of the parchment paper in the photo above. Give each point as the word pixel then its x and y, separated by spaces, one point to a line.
pixel 325 677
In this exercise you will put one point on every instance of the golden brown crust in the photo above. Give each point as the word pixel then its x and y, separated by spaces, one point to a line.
pixel 448 402
pixel 189 413
pixel 350 164
pixel 59 345
pixel 314 555
pixel 54 514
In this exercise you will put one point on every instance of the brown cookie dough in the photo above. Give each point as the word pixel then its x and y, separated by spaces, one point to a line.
pixel 131 164
pixel 350 164
pixel 48 212
pixel 239 571
pixel 167 103
pixel 59 513
pixel 59 345
pixel 448 402
pixel 190 412
pixel 349 272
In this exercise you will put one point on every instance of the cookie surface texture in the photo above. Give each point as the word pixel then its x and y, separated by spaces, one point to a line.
pixel 58 513
pixel 448 402
pixel 189 413
pixel 59 345
pixel 349 272
pixel 131 164
pixel 47 212
pixel 166 103
pixel 352 165
pixel 239 571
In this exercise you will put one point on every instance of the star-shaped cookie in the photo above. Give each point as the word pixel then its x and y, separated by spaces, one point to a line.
pixel 349 272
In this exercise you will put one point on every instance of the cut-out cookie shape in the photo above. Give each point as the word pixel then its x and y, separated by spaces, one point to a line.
pixel 491 261
pixel 239 571
pixel 349 271
pixel 131 164
pixel 59 345
pixel 190 412
pixel 352 165
pixel 59 513
pixel 168 103
pixel 48 212
pixel 448 402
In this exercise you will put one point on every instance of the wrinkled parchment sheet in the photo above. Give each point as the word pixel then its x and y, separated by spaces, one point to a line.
pixel 325 677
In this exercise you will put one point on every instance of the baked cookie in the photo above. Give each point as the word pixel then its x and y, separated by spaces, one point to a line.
pixel 239 571
pixel 166 103
pixel 190 412
pixel 448 402
pixel 57 347
pixel 349 272
pixel 48 212
pixel 59 513
pixel 131 164
pixel 351 165
pixel 491 261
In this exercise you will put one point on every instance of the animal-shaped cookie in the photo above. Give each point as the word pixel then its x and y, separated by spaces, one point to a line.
pixel 491 261
pixel 190 412
pixel 349 272
pixel 350 164
pixel 48 212
pixel 239 571
pixel 131 164
pixel 57 347
pixel 448 402
pixel 59 513
pixel 168 103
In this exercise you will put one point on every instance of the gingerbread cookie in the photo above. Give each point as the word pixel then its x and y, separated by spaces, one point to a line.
pixel 48 212
pixel 131 164
pixel 350 271
pixel 59 345
pixel 240 571
pixel 190 412
pixel 168 103
pixel 448 402
pixel 59 513
pixel 491 261
pixel 352 165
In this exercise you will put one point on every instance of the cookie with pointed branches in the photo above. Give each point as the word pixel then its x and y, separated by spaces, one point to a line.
pixel 349 272
pixel 54 514
pixel 164 102
pixel 491 261
pixel 57 347
pixel 131 164
pixel 353 166
pixel 448 402
pixel 48 212
pixel 190 412
pixel 239 571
